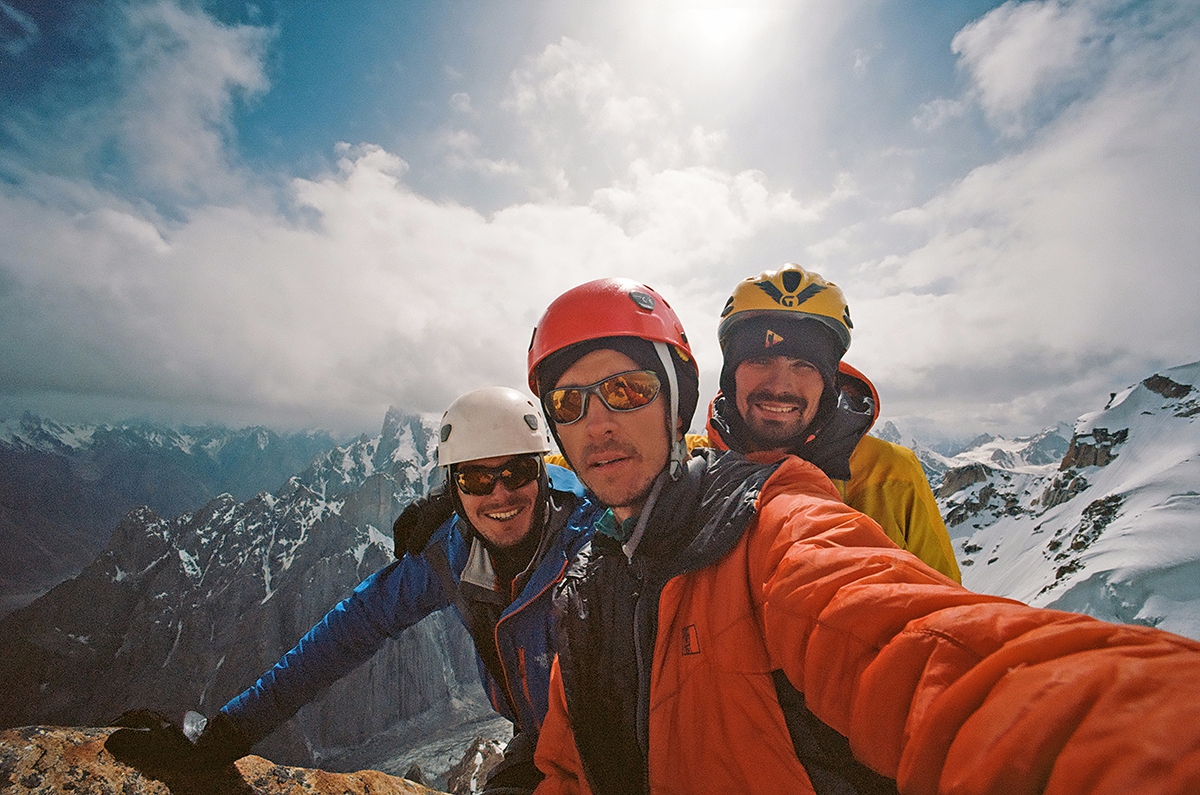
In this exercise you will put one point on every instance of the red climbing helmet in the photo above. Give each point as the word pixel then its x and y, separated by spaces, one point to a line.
pixel 606 308
pixel 623 308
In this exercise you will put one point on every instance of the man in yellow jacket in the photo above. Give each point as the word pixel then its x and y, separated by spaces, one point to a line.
pixel 735 627
pixel 784 389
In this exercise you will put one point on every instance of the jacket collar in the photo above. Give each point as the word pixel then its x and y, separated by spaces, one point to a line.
pixel 698 518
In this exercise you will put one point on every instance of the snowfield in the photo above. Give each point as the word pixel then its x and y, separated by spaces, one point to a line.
pixel 1112 530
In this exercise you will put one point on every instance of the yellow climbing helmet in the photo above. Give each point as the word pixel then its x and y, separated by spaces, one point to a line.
pixel 792 290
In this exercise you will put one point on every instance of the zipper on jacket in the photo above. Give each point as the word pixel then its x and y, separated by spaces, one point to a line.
pixel 642 727
pixel 512 703
pixel 552 514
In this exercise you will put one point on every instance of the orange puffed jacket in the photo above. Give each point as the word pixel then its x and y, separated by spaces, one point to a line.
pixel 941 689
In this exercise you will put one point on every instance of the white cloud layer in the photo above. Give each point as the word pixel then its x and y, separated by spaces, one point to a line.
pixel 1019 50
pixel 1062 268
pixel 1016 296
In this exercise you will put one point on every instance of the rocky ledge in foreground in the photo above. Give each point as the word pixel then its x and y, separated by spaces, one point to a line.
pixel 40 760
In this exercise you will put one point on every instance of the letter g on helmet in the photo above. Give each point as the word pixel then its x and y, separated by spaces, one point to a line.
pixel 793 292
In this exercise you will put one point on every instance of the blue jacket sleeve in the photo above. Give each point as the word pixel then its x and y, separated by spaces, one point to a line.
pixel 382 606
pixel 564 479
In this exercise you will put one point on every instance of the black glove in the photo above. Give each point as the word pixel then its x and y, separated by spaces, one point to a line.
pixel 416 523
pixel 154 745
pixel 515 774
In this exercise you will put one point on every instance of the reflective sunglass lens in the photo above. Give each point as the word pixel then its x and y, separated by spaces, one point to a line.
pixel 565 405
pixel 514 474
pixel 520 473
pixel 629 391
pixel 620 392
pixel 477 484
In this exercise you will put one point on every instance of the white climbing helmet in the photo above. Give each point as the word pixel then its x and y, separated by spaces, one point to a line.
pixel 491 422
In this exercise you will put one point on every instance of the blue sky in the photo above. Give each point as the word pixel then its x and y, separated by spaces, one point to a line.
pixel 298 214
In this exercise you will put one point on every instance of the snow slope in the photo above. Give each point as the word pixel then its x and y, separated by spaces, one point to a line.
pixel 1112 530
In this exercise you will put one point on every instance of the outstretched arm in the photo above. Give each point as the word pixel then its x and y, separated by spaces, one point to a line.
pixel 948 690
pixel 382 606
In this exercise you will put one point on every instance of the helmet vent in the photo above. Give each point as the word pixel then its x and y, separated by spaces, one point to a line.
pixel 792 280
pixel 531 421
pixel 444 434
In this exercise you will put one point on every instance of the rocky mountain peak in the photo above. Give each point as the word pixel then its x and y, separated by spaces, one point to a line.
pixel 63 488
pixel 1109 528
pixel 888 432
pixel 183 613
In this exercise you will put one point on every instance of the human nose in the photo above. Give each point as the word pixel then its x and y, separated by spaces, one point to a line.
pixel 596 413
pixel 774 377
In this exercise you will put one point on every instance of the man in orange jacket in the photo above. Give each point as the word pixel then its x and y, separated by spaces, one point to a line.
pixel 785 389
pixel 720 597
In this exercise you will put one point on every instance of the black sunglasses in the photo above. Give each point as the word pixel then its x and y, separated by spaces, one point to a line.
pixel 515 473
pixel 621 392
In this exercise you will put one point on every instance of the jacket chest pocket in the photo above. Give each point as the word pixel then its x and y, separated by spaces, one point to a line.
pixel 705 625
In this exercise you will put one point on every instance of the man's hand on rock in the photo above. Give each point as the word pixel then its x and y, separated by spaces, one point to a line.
pixel 156 746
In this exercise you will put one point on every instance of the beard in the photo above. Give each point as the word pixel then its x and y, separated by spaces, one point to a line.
pixel 631 489
pixel 769 432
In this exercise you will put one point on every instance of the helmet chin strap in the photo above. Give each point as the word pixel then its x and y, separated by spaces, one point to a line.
pixel 678 445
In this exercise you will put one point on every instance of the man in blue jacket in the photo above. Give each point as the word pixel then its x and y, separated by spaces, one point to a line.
pixel 493 545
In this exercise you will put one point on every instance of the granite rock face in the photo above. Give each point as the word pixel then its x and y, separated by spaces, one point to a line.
pixel 183 613
pixel 40 760
pixel 480 759
pixel 63 488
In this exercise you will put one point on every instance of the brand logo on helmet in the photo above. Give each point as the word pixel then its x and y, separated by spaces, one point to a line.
pixel 791 299
pixel 772 339
pixel 643 300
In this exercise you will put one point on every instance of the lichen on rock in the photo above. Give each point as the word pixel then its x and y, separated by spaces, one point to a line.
pixel 40 760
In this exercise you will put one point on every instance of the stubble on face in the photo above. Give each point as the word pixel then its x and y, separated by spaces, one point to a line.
pixel 503 517
pixel 616 454
pixel 777 399
pixel 775 417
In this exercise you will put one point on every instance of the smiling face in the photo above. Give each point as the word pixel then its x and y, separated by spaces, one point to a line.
pixel 777 397
pixel 503 517
pixel 617 454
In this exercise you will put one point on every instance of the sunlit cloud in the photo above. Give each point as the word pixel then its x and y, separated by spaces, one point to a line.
pixel 1067 261
pixel 1016 51
pixel 143 263
pixel 357 292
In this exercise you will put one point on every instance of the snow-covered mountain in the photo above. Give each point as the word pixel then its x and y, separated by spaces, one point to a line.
pixel 183 613
pixel 990 452
pixel 63 488
pixel 1111 528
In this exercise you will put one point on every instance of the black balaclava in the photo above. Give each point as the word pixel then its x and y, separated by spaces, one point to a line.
pixel 643 354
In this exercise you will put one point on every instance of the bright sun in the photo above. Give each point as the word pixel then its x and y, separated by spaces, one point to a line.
pixel 719 28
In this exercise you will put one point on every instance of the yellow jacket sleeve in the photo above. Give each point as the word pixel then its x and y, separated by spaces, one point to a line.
pixel 888 484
